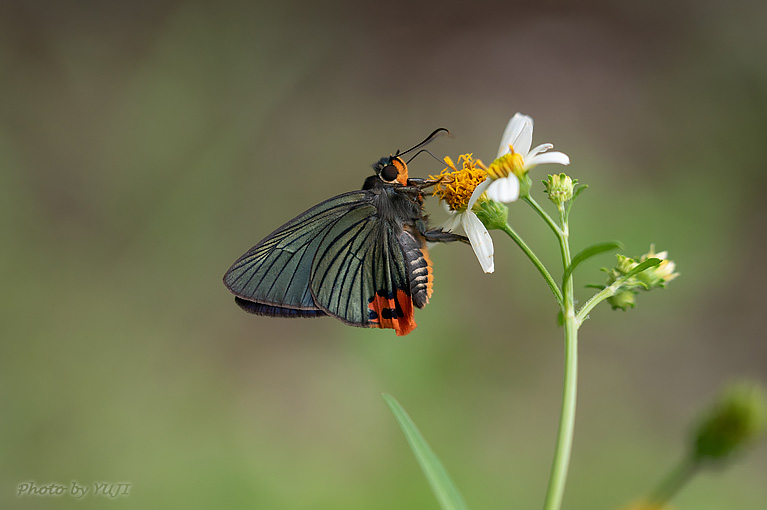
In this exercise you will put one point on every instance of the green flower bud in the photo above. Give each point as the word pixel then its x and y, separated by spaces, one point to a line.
pixel 623 300
pixel 735 419
pixel 624 265
pixel 492 214
pixel 559 188
pixel 659 275
pixel 653 277
pixel 621 269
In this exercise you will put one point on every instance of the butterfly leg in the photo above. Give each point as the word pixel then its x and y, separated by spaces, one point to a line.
pixel 440 236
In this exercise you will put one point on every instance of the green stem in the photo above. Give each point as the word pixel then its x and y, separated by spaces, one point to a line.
pixel 674 481
pixel 594 301
pixel 602 295
pixel 538 264
pixel 561 463
pixel 564 444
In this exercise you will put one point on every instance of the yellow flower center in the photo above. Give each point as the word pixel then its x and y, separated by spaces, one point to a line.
pixel 456 186
pixel 511 163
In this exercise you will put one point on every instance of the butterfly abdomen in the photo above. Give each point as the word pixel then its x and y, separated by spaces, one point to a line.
pixel 419 266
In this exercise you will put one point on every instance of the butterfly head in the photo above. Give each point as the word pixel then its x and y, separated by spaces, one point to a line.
pixel 391 170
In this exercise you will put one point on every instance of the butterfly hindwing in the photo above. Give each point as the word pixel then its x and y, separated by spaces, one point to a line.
pixel 275 311
pixel 274 275
pixel 360 275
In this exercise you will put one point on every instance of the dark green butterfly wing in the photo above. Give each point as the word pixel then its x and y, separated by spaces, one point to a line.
pixel 275 311
pixel 360 275
pixel 272 278
pixel 338 258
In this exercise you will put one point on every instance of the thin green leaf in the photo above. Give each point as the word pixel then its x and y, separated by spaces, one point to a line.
pixel 592 286
pixel 587 253
pixel 647 264
pixel 578 191
pixel 446 492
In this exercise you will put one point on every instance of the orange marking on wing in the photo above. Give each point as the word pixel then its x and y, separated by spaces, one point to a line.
pixel 396 314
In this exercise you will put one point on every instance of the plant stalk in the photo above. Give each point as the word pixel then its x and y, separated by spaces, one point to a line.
pixel 561 463
pixel 564 444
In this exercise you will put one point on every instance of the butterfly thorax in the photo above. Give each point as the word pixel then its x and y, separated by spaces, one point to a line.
pixel 396 204
pixel 401 209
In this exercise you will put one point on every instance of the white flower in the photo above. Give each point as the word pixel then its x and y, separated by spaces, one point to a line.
pixel 457 190
pixel 515 159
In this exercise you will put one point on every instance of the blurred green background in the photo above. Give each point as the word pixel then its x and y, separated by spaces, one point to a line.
pixel 145 145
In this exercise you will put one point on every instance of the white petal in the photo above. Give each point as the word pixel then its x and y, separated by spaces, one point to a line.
pixel 477 192
pixel 525 139
pixel 512 132
pixel 505 189
pixel 480 240
pixel 548 157
pixel 541 148
pixel 452 222
pixel 450 225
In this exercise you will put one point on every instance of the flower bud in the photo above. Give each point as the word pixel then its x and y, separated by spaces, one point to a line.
pixel 559 188
pixel 624 265
pixel 623 300
pixel 650 278
pixel 659 275
pixel 621 269
pixel 735 419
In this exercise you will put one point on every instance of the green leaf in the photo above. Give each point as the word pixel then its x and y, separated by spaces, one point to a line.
pixel 587 253
pixel 647 264
pixel 446 492
pixel 578 191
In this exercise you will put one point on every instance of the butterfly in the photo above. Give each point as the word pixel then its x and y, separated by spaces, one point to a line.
pixel 360 257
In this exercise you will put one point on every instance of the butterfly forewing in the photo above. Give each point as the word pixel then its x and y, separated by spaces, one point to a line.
pixel 277 270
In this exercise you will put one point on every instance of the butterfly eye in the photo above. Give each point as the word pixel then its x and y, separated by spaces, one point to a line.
pixel 389 173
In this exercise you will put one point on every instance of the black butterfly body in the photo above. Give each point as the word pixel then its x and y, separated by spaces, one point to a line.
pixel 360 257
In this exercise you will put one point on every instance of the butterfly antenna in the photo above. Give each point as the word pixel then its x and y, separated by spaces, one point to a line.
pixel 427 152
pixel 427 140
